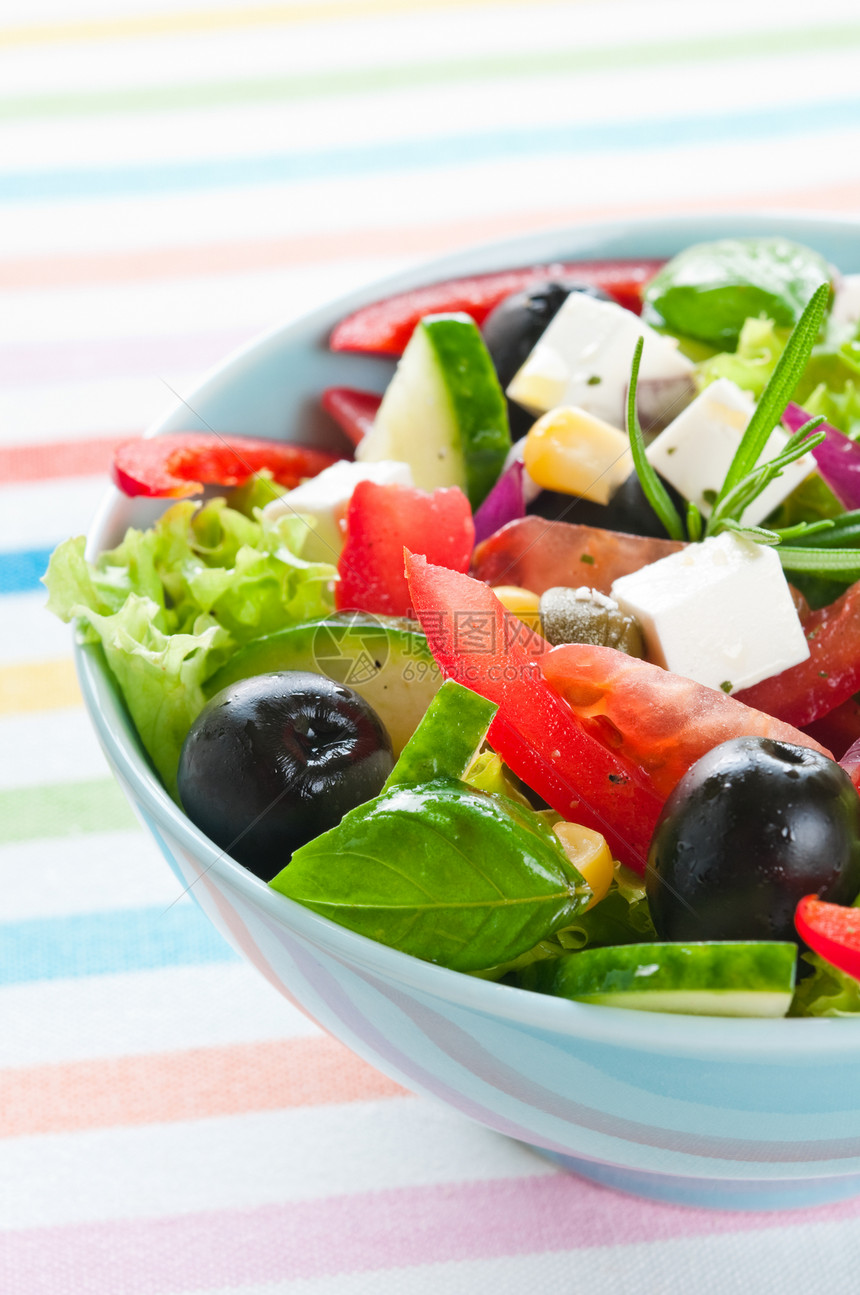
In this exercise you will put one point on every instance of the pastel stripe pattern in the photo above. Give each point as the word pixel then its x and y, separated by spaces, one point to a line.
pixel 175 180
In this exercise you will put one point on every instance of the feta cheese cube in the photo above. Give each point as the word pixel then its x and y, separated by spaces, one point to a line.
pixel 694 452
pixel 584 356
pixel 323 500
pixel 719 612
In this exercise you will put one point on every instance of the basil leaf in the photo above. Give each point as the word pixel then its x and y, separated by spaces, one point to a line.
pixel 441 872
pixel 708 291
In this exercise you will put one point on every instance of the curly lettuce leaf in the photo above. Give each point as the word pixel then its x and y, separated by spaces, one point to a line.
pixel 172 603
pixel 160 675
pixel 826 992
pixel 760 345
pixel 840 408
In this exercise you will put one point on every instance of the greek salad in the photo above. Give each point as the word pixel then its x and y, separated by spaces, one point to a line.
pixel 555 677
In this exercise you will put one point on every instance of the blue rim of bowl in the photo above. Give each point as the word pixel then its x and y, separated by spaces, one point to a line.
pixel 770 1041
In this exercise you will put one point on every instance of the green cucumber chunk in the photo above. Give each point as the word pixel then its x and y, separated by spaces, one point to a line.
pixel 709 290
pixel 444 412
pixel 447 740
pixel 384 659
pixel 715 978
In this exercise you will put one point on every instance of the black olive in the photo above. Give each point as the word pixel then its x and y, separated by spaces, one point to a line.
pixel 749 830
pixel 628 510
pixel 273 760
pixel 513 327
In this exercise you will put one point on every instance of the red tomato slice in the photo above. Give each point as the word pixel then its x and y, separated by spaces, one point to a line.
pixel 478 643
pixel 539 555
pixel 352 410
pixel 828 677
pixel 379 521
pixel 839 729
pixel 386 326
pixel 660 722
pixel 831 931
pixel 174 467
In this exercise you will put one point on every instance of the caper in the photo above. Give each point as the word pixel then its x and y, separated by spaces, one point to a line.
pixel 587 616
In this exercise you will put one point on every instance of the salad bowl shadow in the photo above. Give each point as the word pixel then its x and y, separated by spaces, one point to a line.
pixel 724 1113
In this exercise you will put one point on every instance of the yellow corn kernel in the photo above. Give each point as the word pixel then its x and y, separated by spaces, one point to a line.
pixel 572 451
pixel 522 603
pixel 590 855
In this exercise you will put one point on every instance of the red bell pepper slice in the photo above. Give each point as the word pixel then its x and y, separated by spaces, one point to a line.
pixel 830 674
pixel 478 643
pixel 538 555
pixel 174 467
pixel 352 410
pixel 832 931
pixel 379 521
pixel 661 722
pixel 386 326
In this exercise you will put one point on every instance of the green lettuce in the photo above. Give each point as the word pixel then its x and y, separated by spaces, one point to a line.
pixel 759 347
pixel 830 384
pixel 171 604
pixel 826 992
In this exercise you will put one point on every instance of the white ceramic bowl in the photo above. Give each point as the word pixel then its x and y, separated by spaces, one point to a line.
pixel 726 1113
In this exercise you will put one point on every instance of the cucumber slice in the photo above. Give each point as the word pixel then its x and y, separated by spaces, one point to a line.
pixel 447 739
pixel 726 978
pixel 383 659
pixel 443 412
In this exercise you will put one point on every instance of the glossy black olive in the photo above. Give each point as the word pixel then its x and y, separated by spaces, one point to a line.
pixel 749 830
pixel 628 510
pixel 272 761
pixel 514 326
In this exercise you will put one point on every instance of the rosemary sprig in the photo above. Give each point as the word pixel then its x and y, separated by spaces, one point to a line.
pixel 746 478
pixel 653 488
pixel 731 504
pixel 779 390
pixel 843 564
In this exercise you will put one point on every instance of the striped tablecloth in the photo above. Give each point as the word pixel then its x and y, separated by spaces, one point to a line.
pixel 175 177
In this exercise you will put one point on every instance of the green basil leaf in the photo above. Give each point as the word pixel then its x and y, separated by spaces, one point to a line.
pixel 442 872
pixel 708 291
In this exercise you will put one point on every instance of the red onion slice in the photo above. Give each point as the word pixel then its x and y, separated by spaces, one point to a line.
pixel 505 502
pixel 837 457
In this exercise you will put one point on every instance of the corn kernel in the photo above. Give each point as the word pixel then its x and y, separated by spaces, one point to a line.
pixel 590 855
pixel 522 603
pixel 574 452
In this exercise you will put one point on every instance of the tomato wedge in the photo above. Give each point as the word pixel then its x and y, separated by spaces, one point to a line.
pixel 830 674
pixel 661 722
pixel 385 327
pixel 538 555
pixel 478 643
pixel 379 521
pixel 352 410
pixel 831 931
pixel 174 467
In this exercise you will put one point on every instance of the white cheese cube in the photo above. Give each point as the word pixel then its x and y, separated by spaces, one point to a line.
pixel 323 500
pixel 846 302
pixel 719 612
pixel 584 356
pixel 695 451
